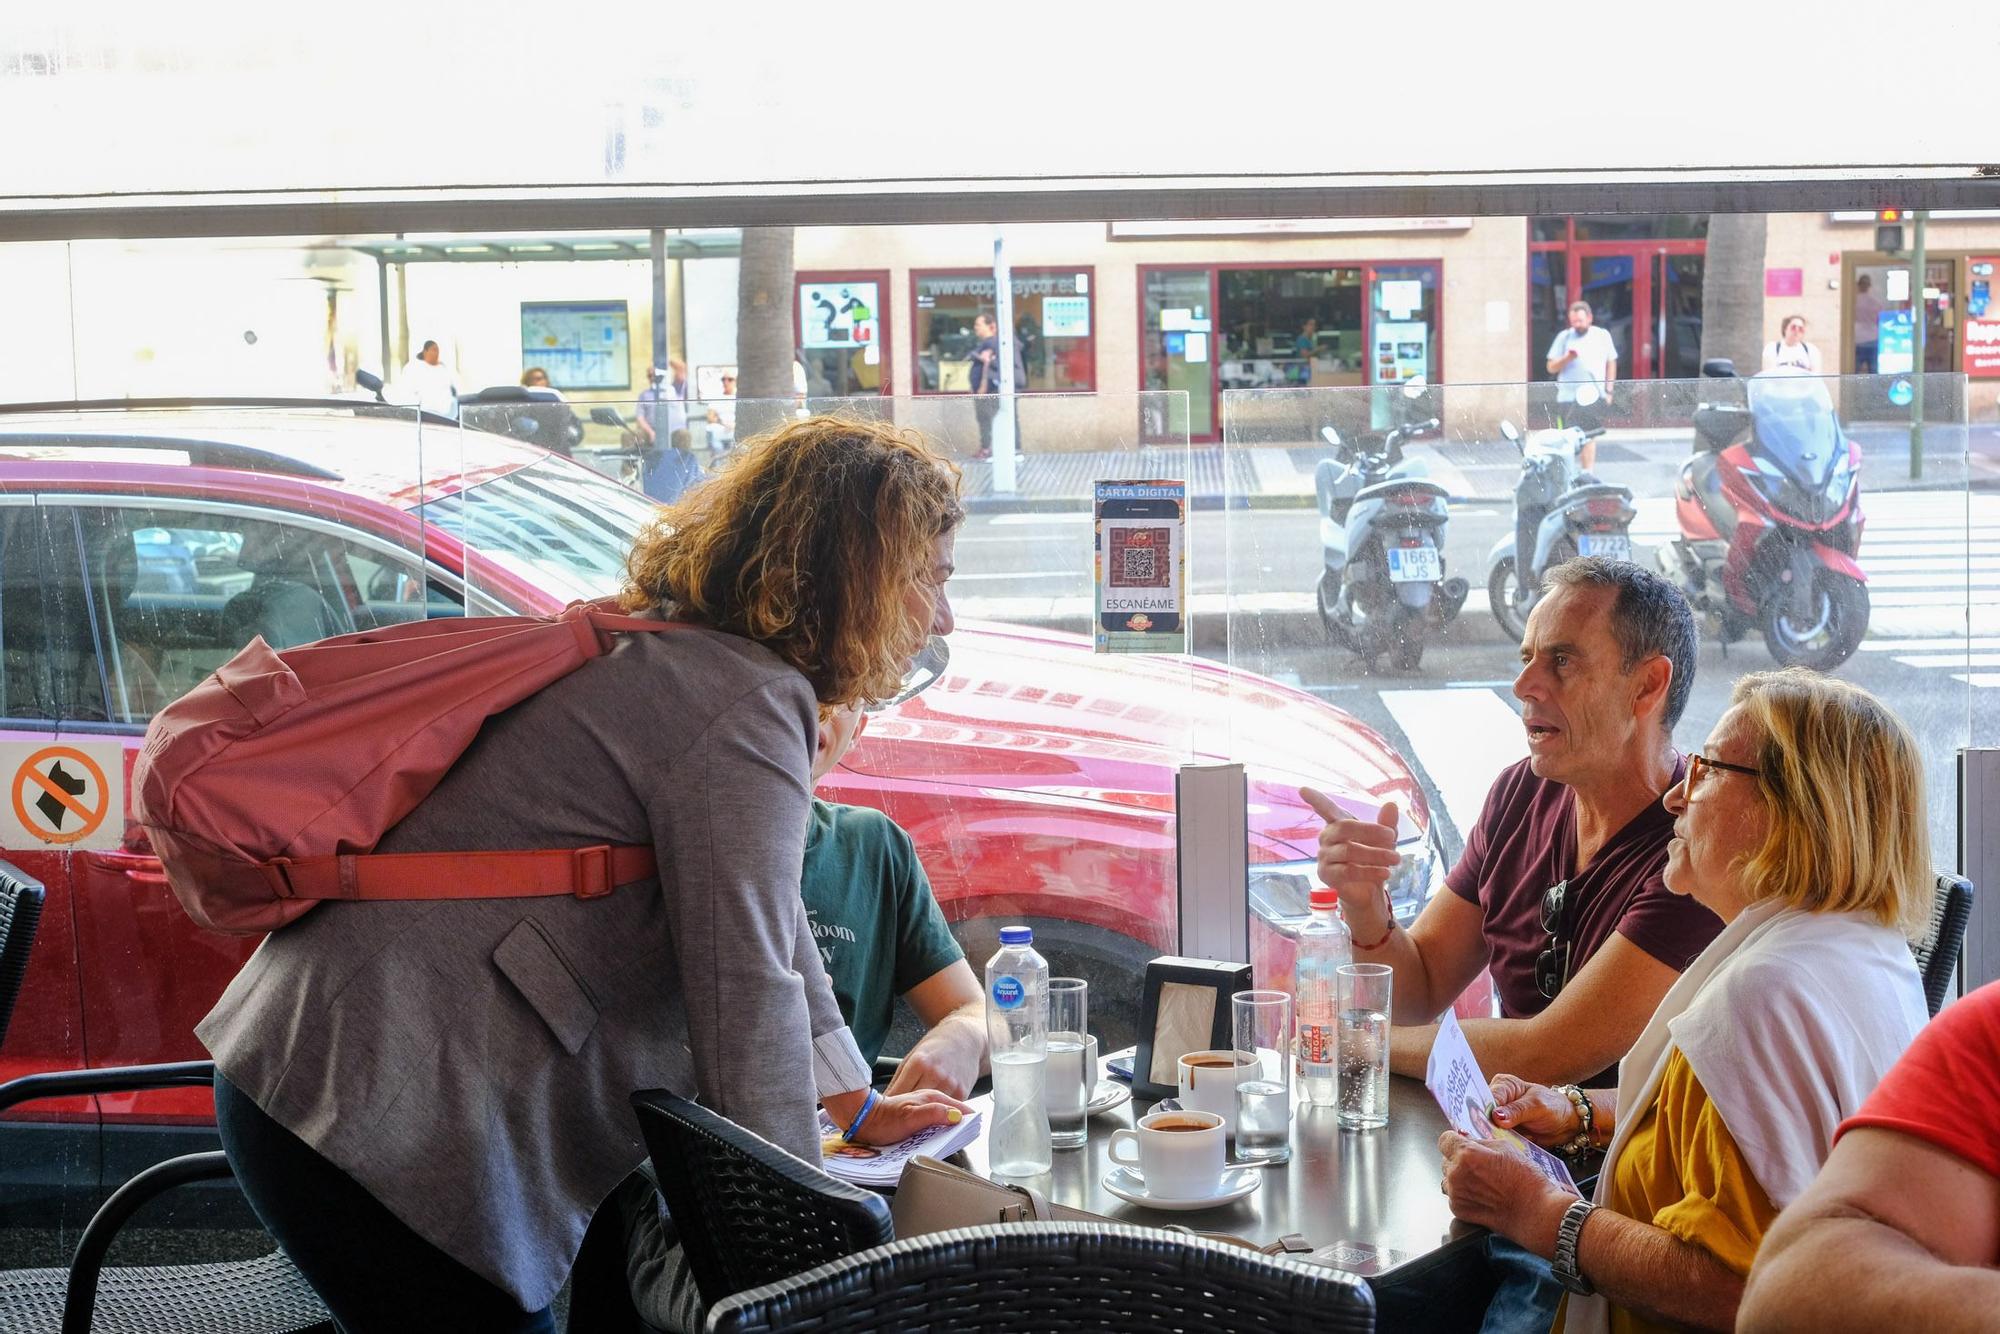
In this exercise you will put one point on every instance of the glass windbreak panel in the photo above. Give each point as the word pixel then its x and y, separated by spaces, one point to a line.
pixel 1177 346
pixel 142 548
pixel 1033 775
pixel 1373 571
pixel 1054 329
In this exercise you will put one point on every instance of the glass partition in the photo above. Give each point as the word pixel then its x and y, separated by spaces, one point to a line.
pixel 1376 566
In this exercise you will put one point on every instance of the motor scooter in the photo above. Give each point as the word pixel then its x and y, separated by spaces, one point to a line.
pixel 1770 519
pixel 1382 524
pixel 1560 511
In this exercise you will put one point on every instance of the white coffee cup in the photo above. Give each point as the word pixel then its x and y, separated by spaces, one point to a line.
pixel 1060 1088
pixel 1208 1082
pixel 1179 1153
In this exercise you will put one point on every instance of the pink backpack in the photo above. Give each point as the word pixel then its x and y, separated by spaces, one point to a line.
pixel 266 788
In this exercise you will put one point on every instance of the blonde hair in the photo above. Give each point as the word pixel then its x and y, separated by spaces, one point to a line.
pixel 807 542
pixel 1844 782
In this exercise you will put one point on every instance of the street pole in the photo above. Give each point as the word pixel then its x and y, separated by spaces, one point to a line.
pixel 656 245
pixel 1004 460
pixel 1920 317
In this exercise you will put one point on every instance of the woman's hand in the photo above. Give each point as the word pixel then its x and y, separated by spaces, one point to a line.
pixel 1534 1111
pixel 899 1116
pixel 1501 1191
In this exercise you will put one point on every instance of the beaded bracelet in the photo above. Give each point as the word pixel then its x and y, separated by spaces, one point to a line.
pixel 1389 911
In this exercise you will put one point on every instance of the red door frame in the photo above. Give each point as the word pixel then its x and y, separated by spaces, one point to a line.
pixel 917 389
pixel 880 277
pixel 1634 363
pixel 1368 269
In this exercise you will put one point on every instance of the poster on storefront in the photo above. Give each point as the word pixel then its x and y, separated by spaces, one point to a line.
pixel 1402 351
pixel 1896 348
pixel 1065 317
pixel 838 314
pixel 1141 567
pixel 1982 321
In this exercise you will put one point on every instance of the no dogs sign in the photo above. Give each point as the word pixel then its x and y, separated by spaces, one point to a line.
pixel 69 795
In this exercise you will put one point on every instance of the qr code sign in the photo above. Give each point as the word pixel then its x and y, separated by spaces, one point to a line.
pixel 1139 557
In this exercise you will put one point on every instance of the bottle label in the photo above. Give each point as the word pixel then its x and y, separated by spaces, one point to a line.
pixel 1316 1043
pixel 1008 993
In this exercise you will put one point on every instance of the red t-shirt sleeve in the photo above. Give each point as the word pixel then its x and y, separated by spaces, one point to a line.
pixel 1946 1089
pixel 1671 927
pixel 1470 869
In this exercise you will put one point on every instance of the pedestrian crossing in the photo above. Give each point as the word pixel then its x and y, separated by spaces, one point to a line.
pixel 1933 564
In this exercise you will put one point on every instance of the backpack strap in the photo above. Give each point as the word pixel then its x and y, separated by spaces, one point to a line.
pixel 587 873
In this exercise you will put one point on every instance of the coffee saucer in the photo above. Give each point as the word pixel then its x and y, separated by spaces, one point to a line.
pixel 1108 1096
pixel 1127 1184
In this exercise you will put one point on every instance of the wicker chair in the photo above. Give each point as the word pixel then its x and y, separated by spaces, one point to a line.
pixel 748 1212
pixel 1937 953
pixel 1055 1276
pixel 20 914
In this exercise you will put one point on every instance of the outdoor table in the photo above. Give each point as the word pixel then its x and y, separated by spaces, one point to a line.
pixel 1378 1187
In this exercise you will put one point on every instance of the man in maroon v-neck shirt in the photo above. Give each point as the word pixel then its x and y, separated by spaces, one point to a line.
pixel 1559 891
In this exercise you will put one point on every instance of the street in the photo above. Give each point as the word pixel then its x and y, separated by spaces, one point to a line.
pixel 1927 553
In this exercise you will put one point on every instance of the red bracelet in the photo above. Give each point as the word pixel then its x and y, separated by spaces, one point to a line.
pixel 1388 908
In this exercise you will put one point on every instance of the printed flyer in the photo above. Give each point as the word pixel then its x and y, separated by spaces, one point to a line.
pixel 1141 567
pixel 1463 1091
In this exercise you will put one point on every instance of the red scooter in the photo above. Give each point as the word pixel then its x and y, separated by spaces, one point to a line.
pixel 1770 519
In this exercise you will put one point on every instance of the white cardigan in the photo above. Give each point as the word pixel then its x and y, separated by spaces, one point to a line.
pixel 1788 1019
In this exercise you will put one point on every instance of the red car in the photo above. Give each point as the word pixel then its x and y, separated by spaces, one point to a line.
pixel 141 547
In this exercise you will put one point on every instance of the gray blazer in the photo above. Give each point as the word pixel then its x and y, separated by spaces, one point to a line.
pixel 470 1063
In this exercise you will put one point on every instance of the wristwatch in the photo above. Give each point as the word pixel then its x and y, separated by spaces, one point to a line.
pixel 1586 1115
pixel 1567 1234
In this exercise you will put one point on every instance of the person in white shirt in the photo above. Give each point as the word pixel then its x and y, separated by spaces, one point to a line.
pixel 427 382
pixel 1792 350
pixel 1583 355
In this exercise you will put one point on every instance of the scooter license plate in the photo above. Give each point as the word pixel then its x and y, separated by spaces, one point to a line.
pixel 1611 546
pixel 1415 565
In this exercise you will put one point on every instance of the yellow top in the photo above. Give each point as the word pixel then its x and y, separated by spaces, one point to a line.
pixel 1681 1171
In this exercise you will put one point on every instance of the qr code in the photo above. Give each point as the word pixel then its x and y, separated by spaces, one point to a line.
pixel 1140 557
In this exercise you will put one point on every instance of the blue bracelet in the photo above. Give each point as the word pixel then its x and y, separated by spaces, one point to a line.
pixel 867 1106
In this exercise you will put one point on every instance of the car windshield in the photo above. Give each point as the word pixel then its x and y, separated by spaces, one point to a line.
pixel 556 524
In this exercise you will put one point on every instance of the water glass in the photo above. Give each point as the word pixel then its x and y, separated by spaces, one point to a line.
pixel 1264 1095
pixel 1364 1045
pixel 1068 1085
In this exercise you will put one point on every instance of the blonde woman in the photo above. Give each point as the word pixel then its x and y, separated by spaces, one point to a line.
pixel 1791 351
pixel 1802 825
pixel 426 1101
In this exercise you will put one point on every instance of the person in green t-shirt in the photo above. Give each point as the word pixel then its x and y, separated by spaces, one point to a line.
pixel 881 934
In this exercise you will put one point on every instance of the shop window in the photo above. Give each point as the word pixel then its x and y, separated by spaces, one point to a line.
pixel 1291 328
pixel 843 333
pixel 1055 325
pixel 1175 351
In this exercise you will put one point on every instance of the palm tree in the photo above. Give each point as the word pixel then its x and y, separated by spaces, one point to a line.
pixel 765 337
pixel 1732 289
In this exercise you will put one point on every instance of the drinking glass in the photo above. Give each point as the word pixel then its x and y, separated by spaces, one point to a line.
pixel 1068 1086
pixel 1264 1092
pixel 1364 1045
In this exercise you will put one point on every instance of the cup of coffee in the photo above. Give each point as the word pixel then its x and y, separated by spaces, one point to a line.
pixel 1208 1083
pixel 1179 1153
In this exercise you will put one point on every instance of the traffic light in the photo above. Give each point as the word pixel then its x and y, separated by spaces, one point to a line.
pixel 1889 231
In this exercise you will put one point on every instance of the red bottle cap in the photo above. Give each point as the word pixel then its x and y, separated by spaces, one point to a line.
pixel 1322 897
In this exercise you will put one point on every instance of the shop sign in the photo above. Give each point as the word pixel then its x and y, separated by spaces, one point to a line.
pixel 1982 348
pixel 1141 567
pixel 838 314
pixel 1066 317
pixel 1896 348
pixel 1784 282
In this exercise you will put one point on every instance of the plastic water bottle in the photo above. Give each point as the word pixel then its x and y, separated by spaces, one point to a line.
pixel 1017 1029
pixel 1324 947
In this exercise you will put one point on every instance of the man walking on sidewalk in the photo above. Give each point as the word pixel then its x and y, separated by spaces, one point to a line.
pixel 1583 355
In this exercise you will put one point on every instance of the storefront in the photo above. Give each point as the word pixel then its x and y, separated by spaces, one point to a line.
pixel 1055 324
pixel 1209 328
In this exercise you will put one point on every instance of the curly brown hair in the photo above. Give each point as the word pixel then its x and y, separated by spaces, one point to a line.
pixel 807 541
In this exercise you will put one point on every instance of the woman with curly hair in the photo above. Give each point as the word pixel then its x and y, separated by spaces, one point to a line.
pixel 426 1101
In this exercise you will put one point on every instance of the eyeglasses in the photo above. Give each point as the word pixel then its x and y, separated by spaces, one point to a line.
pixel 1697 763
pixel 1552 965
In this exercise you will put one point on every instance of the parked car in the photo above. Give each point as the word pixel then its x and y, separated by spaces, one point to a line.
pixel 141 547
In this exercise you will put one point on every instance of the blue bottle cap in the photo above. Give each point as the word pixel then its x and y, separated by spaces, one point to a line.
pixel 1017 935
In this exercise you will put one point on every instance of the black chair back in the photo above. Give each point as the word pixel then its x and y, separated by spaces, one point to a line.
pixel 748 1212
pixel 1937 953
pixel 1057 1277
pixel 20 913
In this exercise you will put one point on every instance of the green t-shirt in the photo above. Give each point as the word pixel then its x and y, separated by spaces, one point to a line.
pixel 878 926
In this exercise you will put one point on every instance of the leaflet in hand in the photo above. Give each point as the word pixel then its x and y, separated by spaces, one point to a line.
pixel 1455 1080
pixel 873 1165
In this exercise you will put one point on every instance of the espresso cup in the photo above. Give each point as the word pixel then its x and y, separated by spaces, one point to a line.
pixel 1179 1153
pixel 1208 1083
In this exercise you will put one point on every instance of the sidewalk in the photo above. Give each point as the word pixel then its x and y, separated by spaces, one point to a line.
pixel 1275 477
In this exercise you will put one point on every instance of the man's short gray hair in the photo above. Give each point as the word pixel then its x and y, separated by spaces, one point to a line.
pixel 1649 616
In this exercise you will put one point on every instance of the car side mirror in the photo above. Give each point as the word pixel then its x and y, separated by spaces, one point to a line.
pixel 607 417
pixel 1719 368
pixel 370 381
